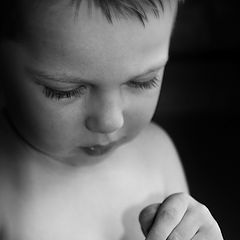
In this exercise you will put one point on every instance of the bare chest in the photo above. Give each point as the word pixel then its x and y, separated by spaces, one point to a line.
pixel 106 209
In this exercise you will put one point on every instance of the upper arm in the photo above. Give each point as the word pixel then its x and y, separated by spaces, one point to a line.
pixel 167 161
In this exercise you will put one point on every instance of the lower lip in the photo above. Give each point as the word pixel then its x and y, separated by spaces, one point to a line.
pixel 98 150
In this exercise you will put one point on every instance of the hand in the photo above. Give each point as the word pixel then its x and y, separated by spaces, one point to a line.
pixel 179 217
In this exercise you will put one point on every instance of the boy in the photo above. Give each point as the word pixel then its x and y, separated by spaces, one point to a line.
pixel 79 156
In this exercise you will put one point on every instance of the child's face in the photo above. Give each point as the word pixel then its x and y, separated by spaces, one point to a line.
pixel 73 82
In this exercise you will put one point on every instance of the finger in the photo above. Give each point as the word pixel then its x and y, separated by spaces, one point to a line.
pixel 187 228
pixel 147 217
pixel 169 214
pixel 210 232
pixel 201 235
pixel 209 229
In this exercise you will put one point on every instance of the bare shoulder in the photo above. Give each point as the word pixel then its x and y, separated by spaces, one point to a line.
pixel 2 167
pixel 1 204
pixel 161 155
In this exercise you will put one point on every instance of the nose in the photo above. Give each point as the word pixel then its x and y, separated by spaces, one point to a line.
pixel 106 116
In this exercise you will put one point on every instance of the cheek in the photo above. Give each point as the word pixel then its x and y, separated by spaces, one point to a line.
pixel 58 128
pixel 140 114
pixel 42 122
pixel 52 131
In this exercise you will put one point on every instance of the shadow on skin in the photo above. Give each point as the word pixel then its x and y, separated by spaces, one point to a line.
pixel 132 228
pixel 11 171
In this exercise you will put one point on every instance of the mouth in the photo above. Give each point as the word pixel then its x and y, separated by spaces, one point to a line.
pixel 99 150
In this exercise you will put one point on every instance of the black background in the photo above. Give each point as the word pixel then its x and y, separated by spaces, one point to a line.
pixel 199 105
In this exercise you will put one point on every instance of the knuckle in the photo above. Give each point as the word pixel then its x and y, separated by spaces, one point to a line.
pixel 214 228
pixel 214 234
pixel 182 196
pixel 210 225
pixel 168 214
pixel 203 209
pixel 184 199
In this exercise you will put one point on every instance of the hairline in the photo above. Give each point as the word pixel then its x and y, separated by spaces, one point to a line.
pixel 126 9
pixel 139 11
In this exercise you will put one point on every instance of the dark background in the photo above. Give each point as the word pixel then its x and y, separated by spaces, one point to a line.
pixel 199 105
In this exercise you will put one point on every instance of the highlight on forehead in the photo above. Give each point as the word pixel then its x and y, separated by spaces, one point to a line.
pixel 125 8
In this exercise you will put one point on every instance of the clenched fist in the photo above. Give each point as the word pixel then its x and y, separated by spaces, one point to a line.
pixel 179 217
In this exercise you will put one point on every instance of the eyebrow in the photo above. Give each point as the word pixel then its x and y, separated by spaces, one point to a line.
pixel 40 75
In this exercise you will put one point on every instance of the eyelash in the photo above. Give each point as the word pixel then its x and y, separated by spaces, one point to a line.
pixel 153 83
pixel 59 94
pixel 78 92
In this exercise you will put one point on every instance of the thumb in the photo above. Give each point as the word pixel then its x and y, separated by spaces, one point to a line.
pixel 147 217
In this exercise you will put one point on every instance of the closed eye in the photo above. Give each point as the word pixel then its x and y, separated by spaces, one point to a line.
pixel 61 94
pixel 153 83
pixel 57 94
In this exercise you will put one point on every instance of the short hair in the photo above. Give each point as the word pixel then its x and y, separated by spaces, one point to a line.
pixel 10 18
pixel 125 8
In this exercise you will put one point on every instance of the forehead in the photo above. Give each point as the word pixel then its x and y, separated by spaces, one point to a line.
pixel 90 41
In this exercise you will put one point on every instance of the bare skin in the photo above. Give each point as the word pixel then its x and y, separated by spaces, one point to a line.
pixel 79 156
pixel 96 203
